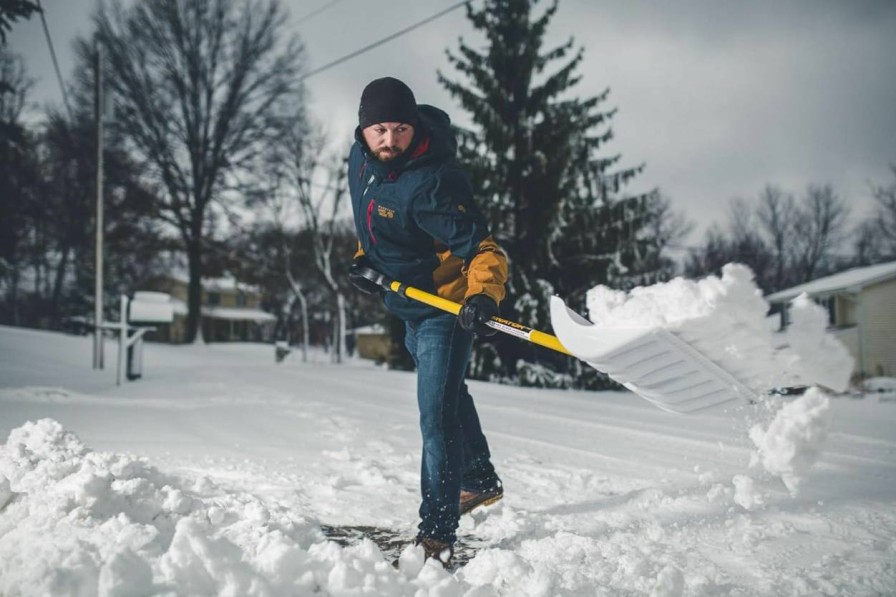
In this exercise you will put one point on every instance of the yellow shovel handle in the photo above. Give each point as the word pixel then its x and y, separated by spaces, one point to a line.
pixel 499 323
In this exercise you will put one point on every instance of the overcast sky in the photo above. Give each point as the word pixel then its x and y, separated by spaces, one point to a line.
pixel 716 97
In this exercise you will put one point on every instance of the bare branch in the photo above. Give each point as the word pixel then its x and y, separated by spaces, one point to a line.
pixel 198 85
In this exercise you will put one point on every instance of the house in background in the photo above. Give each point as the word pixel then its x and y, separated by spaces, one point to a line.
pixel 230 311
pixel 372 342
pixel 861 305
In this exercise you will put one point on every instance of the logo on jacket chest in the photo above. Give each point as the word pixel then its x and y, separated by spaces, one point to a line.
pixel 385 212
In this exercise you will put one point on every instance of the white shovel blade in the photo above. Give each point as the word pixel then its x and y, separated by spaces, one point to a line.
pixel 651 362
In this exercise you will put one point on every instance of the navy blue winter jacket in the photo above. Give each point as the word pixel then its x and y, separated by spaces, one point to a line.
pixel 417 223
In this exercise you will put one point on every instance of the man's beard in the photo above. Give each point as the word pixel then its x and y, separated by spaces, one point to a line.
pixel 387 154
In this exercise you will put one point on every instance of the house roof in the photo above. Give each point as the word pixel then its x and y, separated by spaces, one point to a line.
pixel 375 329
pixel 851 280
pixel 213 284
pixel 237 314
pixel 232 313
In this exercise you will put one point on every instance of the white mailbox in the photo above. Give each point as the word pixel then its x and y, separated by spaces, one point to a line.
pixel 148 307
pixel 137 317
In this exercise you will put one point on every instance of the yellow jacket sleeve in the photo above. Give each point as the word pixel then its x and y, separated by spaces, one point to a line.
pixel 486 272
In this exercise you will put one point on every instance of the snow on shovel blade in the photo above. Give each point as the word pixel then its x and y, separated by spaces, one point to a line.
pixel 653 363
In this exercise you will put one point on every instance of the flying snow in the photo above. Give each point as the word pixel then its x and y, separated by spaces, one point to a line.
pixel 726 320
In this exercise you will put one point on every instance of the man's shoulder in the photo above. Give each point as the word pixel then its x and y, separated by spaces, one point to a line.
pixel 434 174
pixel 355 153
pixel 436 183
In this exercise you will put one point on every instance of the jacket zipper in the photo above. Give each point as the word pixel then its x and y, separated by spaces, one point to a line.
pixel 370 207
pixel 370 221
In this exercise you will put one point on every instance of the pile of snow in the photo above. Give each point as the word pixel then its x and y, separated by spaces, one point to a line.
pixel 880 385
pixel 78 522
pixel 725 319
pixel 793 441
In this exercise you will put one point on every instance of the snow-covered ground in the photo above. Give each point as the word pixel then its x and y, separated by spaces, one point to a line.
pixel 213 474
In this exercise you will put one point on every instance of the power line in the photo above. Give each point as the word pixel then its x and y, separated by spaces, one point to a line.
pixel 317 11
pixel 383 40
pixel 43 20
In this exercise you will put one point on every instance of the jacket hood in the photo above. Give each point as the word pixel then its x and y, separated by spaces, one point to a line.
pixel 433 141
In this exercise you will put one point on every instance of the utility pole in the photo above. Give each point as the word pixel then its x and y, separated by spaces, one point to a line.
pixel 98 281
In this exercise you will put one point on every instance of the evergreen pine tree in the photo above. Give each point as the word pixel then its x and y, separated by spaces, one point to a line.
pixel 554 204
pixel 13 10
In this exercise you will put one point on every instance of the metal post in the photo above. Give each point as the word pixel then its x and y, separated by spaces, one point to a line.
pixel 98 281
pixel 122 341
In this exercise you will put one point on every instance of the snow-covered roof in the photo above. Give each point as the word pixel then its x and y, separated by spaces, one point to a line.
pixel 232 313
pixel 214 284
pixel 237 314
pixel 227 283
pixel 852 280
pixel 149 296
pixel 369 329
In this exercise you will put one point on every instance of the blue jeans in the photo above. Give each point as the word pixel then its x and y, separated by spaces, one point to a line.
pixel 455 451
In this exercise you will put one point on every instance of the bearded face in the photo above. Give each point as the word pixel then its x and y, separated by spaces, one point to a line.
pixel 388 140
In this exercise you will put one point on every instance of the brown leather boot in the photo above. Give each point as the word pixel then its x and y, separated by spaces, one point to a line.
pixel 438 550
pixel 470 500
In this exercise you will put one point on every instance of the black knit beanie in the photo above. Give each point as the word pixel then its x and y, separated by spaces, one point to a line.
pixel 387 100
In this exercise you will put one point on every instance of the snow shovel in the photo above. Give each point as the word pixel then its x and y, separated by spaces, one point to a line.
pixel 653 363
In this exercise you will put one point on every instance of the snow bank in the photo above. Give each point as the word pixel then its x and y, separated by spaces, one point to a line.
pixel 725 319
pixel 880 385
pixel 792 442
pixel 78 522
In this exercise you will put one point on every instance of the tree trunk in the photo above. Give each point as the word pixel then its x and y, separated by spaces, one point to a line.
pixel 194 291
pixel 14 296
pixel 340 327
pixel 303 304
pixel 58 280
pixel 339 321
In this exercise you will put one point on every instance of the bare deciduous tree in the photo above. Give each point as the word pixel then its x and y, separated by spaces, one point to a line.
pixel 198 88
pixel 785 242
pixel 18 180
pixel 320 184
pixel 667 227
pixel 867 245
pixel 820 229
pixel 740 219
pixel 777 213
pixel 282 212
pixel 885 215
pixel 307 187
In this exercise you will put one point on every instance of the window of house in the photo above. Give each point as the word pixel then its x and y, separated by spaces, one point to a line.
pixel 240 300
pixel 846 311
pixel 214 298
